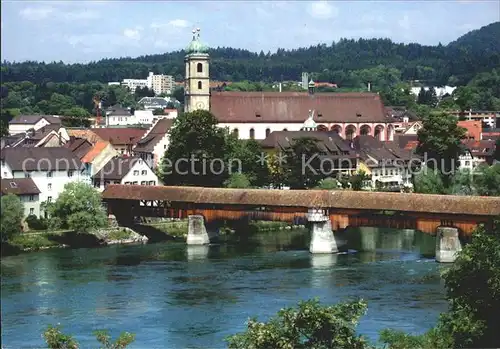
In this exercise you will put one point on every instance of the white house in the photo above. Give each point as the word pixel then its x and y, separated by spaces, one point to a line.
pixel 26 190
pixel 153 145
pixel 386 164
pixel 23 123
pixel 125 170
pixel 49 168
pixel 52 135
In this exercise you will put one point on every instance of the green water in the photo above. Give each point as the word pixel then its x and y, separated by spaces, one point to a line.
pixel 175 296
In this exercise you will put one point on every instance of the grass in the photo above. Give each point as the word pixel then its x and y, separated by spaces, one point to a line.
pixel 36 241
pixel 173 229
pixel 118 234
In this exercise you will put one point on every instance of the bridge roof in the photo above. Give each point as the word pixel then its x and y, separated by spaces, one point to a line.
pixel 357 200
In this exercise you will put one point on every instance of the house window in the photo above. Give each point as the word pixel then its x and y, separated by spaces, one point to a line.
pixel 32 211
pixel 236 133
pixel 135 183
pixel 152 183
pixel 27 174
pixel 49 186
pixel 257 115
pixel 32 198
pixel 49 199
pixel 144 172
pixel 467 163
pixel 268 131
pixel 199 85
pixel 143 182
pixel 285 129
pixel 252 133
pixel 49 174
pixel 70 173
pixel 136 172
pixel 199 68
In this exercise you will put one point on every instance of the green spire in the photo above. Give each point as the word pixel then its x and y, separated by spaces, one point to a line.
pixel 196 46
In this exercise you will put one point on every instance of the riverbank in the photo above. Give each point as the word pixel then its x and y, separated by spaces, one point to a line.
pixel 163 231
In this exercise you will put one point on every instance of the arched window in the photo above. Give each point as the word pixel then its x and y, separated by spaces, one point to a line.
pixel 199 85
pixel 236 133
pixel 268 131
pixel 252 133
pixel 199 68
pixel 285 129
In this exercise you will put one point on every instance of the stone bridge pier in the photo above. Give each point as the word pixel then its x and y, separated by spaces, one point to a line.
pixel 447 244
pixel 198 234
pixel 322 237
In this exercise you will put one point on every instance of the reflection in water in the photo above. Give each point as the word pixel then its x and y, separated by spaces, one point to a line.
pixel 177 296
pixel 197 252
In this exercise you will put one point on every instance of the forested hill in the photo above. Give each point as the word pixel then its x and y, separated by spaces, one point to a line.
pixel 456 63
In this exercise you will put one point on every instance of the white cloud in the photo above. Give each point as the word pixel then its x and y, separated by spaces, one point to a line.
pixel 179 23
pixel 133 34
pixel 60 13
pixel 322 10
pixel 36 13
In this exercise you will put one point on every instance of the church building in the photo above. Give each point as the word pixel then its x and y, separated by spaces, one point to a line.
pixel 254 115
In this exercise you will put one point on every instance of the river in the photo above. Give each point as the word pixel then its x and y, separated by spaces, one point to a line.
pixel 174 296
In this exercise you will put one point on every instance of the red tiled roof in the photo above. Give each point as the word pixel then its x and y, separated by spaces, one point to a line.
pixel 120 136
pixel 411 145
pixel 474 128
pixel 294 107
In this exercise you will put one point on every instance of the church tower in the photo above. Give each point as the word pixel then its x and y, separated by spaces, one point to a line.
pixel 197 81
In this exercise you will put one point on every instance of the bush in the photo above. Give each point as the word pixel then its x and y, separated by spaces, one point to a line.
pixel 12 212
pixel 55 339
pixel 310 326
pixel 35 223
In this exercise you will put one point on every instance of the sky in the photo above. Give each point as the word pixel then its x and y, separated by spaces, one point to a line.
pixel 82 31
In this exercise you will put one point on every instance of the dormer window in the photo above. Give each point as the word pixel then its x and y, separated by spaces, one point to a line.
pixel 13 184
pixel 358 115
pixel 257 114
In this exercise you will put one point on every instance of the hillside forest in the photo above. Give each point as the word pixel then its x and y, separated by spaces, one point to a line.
pixel 472 62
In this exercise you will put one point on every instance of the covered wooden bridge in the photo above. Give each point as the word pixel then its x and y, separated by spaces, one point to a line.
pixel 345 208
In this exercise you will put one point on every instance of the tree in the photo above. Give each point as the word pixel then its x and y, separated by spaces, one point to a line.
pixel 75 117
pixel 496 154
pixel 158 111
pixel 473 290
pixel 78 208
pixel 487 180
pixel 422 97
pixel 12 212
pixel 237 180
pixel 357 179
pixel 440 143
pixel 198 152
pixel 141 92
pixel 249 152
pixel 328 184
pixel 178 94
pixel 432 99
pixel 55 339
pixel 428 181
pixel 302 163
pixel 311 325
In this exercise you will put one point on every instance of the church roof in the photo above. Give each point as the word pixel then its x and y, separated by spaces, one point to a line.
pixel 196 46
pixel 290 107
